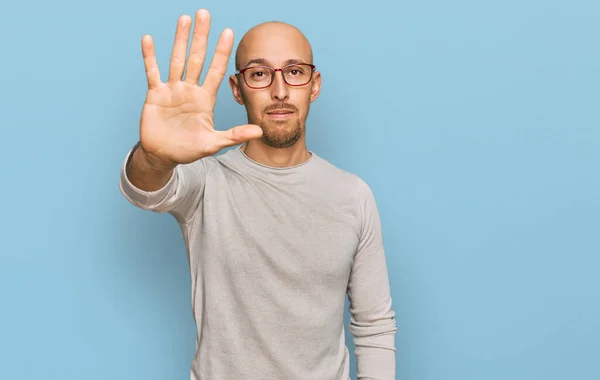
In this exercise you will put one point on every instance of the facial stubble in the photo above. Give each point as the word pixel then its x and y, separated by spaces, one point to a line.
pixel 281 134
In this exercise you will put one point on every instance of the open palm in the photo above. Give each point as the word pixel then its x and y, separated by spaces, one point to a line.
pixel 177 122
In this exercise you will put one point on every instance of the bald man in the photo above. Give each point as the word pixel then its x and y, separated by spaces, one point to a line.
pixel 276 236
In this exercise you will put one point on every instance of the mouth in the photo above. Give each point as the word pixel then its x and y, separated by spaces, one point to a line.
pixel 281 114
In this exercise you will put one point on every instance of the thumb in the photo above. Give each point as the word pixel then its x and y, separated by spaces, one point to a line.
pixel 239 134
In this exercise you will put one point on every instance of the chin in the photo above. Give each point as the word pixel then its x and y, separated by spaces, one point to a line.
pixel 281 134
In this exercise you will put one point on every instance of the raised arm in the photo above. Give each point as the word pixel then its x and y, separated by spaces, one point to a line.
pixel 163 172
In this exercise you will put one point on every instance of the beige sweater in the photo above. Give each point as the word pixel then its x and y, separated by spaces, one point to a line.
pixel 273 253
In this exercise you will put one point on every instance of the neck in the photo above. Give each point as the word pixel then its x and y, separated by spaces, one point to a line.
pixel 276 157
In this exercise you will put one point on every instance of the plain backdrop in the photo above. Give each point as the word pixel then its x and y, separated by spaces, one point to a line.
pixel 476 123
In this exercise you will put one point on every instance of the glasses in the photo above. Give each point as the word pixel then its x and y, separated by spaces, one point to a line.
pixel 296 74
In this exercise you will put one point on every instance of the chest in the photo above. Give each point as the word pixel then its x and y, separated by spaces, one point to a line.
pixel 264 232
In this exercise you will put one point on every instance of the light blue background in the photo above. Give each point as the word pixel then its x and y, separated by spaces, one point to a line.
pixel 476 123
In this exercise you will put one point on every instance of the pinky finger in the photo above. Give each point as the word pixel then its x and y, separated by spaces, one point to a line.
pixel 152 72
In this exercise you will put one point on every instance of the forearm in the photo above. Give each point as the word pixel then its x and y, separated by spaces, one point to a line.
pixel 151 185
pixel 146 173
pixel 375 349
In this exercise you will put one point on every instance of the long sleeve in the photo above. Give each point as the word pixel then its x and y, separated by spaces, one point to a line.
pixel 373 323
pixel 180 196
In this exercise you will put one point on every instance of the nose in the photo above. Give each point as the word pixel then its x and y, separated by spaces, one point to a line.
pixel 279 89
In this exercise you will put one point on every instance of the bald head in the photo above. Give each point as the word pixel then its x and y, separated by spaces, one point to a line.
pixel 272 38
pixel 276 45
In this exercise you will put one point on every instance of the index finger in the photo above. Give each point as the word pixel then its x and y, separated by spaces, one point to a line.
pixel 218 65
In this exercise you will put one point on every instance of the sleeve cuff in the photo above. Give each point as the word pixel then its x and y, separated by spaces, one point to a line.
pixel 139 197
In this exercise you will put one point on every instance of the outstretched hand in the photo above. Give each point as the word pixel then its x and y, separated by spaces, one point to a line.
pixel 177 122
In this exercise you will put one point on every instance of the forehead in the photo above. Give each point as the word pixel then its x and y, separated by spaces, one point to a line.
pixel 276 45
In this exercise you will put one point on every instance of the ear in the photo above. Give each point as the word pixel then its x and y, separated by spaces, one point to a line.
pixel 235 89
pixel 316 86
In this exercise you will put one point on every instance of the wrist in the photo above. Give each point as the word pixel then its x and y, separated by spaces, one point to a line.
pixel 151 162
pixel 141 164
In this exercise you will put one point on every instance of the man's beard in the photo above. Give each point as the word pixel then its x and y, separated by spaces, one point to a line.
pixel 281 135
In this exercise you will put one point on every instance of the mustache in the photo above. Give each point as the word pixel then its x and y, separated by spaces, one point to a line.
pixel 281 107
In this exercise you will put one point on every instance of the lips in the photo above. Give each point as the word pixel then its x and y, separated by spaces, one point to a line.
pixel 282 112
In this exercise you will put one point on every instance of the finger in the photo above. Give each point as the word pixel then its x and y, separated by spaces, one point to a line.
pixel 150 65
pixel 218 66
pixel 237 135
pixel 198 48
pixel 182 35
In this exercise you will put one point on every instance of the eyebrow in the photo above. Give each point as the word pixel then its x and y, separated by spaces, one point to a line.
pixel 263 61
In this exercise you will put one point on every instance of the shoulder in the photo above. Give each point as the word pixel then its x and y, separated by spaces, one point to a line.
pixel 345 180
pixel 208 164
